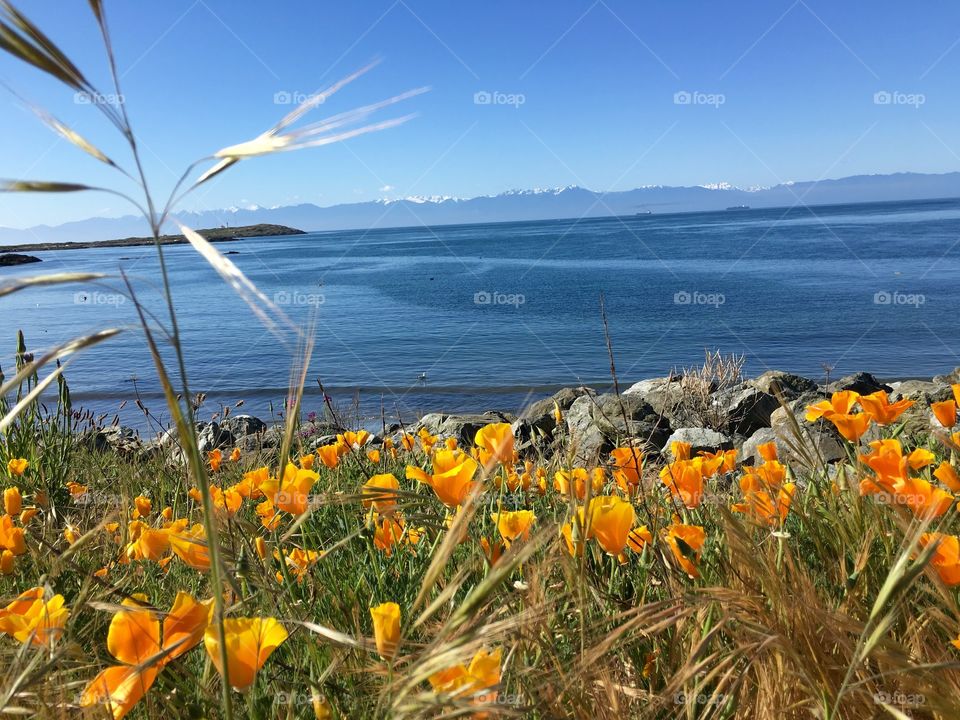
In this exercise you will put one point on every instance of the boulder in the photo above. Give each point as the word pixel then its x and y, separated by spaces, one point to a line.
pixel 798 407
pixel 597 424
pixel 817 444
pixel 115 438
pixel 539 417
pixel 921 391
pixel 744 409
pixel 700 440
pixel 789 386
pixel 861 382
pixel 462 427
pixel 213 436
pixel 241 425
pixel 666 395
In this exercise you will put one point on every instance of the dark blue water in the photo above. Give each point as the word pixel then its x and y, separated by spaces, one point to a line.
pixel 497 314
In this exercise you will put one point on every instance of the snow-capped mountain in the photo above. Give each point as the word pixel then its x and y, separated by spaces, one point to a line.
pixel 534 204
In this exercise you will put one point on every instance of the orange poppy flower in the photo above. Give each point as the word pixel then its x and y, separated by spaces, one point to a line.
pixel 30 618
pixel 639 538
pixel 452 478
pixel 12 501
pixel 292 493
pixel 852 427
pixel 628 467
pixel 380 493
pixel 878 406
pixel 888 464
pixel 7 562
pixel 298 562
pixel 761 506
pixel 191 546
pixel 685 478
pixel 329 455
pixel 492 550
pixel 386 628
pixel 946 558
pixel 680 450
pixel 947 474
pixel 611 520
pixel 577 478
pixel 483 673
pixel 249 641
pixel 768 451
pixel 945 412
pixel 924 499
pixel 215 458
pixel 496 445
pixel 235 455
pixel 686 543
pixel 134 638
pixel 840 403
pixel 11 538
pixel 17 466
pixel 513 525
pixel 354 440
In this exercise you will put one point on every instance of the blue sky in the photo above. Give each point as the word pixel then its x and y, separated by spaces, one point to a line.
pixel 780 90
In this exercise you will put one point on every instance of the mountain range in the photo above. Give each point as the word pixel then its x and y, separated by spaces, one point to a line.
pixel 516 205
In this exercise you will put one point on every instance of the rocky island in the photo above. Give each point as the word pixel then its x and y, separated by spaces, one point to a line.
pixel 11 259
pixel 222 234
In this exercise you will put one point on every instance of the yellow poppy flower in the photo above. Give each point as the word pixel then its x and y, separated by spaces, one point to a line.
pixel 513 525
pixel 452 478
pixel 30 618
pixel 495 444
pixel 249 643
pixel 380 493
pixel 12 501
pixel 386 628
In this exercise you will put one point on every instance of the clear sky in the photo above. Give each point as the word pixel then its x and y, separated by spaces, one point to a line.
pixel 779 90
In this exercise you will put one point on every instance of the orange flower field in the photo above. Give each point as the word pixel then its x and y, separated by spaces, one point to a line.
pixel 412 575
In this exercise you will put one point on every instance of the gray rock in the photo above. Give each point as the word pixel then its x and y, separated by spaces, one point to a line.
pixel 861 382
pixel 949 378
pixel 115 438
pixel 240 425
pixel 786 384
pixel 922 391
pixel 744 408
pixel 213 437
pixel 700 440
pixel 816 445
pixel 539 418
pixel 781 416
pixel 666 395
pixel 462 427
pixel 597 424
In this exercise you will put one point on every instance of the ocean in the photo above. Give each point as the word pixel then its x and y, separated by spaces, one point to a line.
pixel 493 316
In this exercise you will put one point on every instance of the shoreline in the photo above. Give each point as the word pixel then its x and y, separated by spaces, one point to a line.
pixel 653 413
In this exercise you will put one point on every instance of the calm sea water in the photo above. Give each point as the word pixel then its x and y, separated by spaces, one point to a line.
pixel 496 315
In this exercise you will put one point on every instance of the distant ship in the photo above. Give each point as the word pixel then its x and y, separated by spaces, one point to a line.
pixel 739 207
pixel 645 212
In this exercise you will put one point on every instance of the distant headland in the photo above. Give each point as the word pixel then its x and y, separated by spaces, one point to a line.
pixel 215 235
